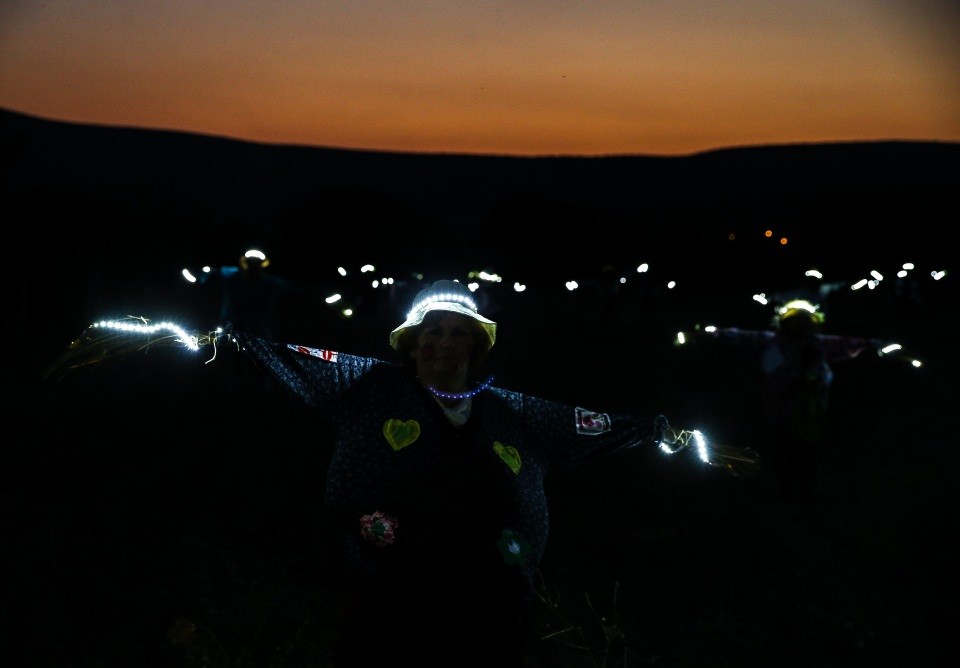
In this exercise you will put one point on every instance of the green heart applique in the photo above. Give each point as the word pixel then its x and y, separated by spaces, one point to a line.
pixel 508 454
pixel 400 434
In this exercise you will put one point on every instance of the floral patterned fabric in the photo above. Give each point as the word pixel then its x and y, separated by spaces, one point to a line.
pixel 455 512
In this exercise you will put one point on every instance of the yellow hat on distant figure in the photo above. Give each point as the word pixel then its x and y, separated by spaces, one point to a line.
pixel 256 257
pixel 800 307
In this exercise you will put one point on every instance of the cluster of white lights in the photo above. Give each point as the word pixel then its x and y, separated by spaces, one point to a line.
pixel 682 338
pixel 188 275
pixel 683 441
pixel 875 278
pixel 797 304
pixel 142 327
pixel 896 347
pixel 450 298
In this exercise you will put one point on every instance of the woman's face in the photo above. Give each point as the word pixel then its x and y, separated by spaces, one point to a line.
pixel 444 347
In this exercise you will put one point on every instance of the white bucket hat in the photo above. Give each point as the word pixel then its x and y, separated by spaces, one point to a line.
pixel 444 296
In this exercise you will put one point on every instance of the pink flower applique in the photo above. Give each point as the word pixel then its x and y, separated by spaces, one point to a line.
pixel 378 528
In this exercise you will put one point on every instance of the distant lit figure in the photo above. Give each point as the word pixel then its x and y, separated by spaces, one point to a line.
pixel 249 295
pixel 795 361
pixel 249 300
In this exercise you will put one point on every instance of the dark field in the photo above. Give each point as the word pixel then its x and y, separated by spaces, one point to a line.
pixel 166 512
pixel 162 511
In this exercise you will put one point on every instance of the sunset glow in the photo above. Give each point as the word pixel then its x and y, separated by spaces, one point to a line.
pixel 563 78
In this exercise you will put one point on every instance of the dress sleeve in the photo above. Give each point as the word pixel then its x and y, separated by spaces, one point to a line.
pixel 567 434
pixel 841 348
pixel 311 375
pixel 754 338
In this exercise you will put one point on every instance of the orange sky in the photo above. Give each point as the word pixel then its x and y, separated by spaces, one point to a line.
pixel 655 77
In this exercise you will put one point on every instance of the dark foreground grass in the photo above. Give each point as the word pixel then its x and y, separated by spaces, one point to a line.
pixel 155 517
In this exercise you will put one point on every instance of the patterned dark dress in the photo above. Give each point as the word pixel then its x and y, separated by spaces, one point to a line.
pixel 453 517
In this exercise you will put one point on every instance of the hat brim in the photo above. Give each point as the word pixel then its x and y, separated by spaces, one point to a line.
pixel 415 318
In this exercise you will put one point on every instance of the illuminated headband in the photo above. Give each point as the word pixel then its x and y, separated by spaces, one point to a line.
pixel 447 296
pixel 258 255
pixel 800 307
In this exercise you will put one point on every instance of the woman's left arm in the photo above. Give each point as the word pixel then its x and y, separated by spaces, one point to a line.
pixel 568 434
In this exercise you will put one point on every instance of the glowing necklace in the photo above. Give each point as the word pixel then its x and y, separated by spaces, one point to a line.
pixel 462 395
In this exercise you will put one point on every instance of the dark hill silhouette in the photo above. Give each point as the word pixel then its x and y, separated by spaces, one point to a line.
pixel 104 186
